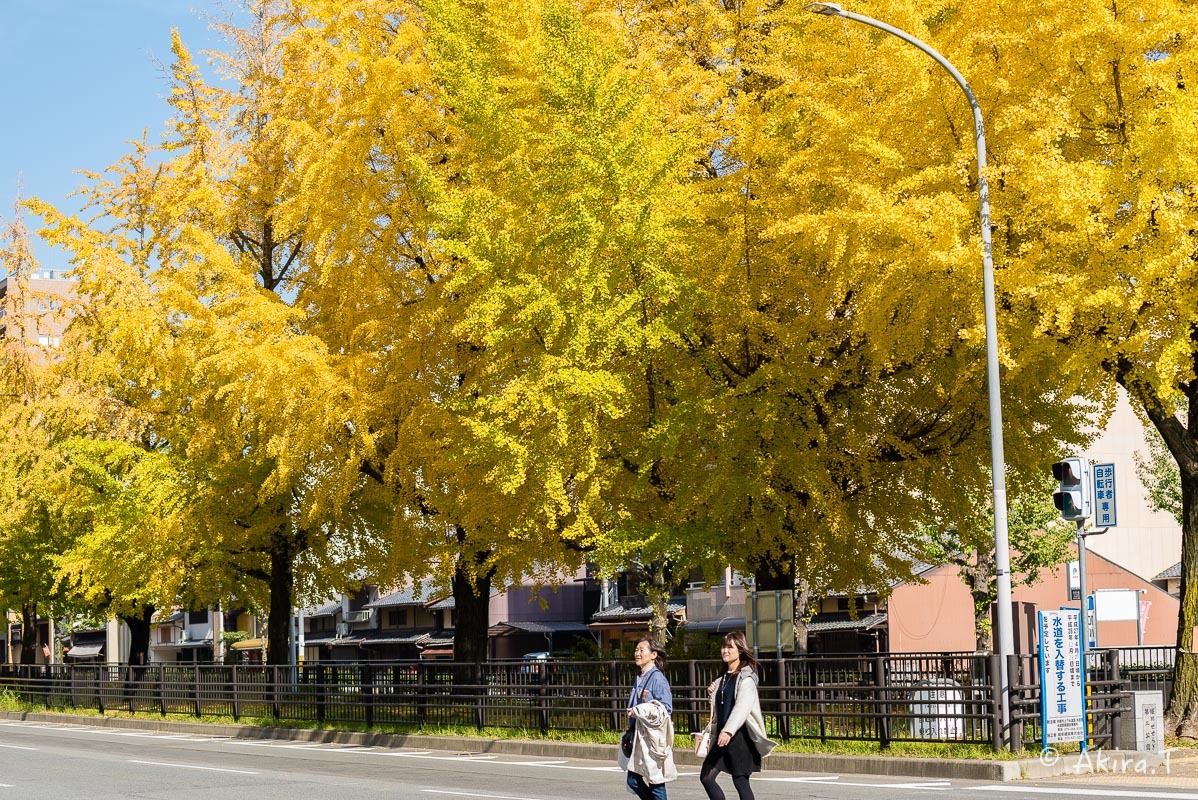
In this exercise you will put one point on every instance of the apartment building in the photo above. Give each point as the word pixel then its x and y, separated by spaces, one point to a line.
pixel 32 309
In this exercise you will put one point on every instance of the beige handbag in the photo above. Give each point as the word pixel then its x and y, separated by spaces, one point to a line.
pixel 703 740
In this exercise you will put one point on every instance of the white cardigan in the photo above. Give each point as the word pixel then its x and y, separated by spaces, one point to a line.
pixel 652 745
pixel 746 712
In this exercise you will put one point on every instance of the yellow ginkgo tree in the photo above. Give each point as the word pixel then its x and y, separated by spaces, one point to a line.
pixel 192 322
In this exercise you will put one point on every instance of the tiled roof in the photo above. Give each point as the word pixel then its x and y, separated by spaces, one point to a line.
pixel 531 626
pixel 618 612
pixel 328 609
pixel 367 638
pixel 1172 572
pixel 323 637
pixel 840 621
pixel 417 595
pixel 380 637
pixel 183 645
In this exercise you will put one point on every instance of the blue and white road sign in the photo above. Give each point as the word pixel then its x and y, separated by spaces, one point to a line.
pixel 1104 495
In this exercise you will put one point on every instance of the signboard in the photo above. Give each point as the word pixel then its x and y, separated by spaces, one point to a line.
pixel 1148 712
pixel 1075 581
pixel 1091 624
pixel 770 624
pixel 938 710
pixel 1104 495
pixel 1117 605
pixel 1062 684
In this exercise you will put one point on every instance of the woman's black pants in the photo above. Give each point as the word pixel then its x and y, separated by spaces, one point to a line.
pixel 714 792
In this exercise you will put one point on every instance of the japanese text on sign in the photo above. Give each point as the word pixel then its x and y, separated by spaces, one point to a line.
pixel 1104 495
pixel 1062 700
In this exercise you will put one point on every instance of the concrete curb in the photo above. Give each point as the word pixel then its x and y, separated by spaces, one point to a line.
pixel 928 768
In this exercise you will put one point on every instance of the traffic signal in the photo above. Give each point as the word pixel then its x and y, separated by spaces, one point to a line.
pixel 1075 495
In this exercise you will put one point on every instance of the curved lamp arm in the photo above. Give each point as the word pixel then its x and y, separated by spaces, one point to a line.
pixel 1006 642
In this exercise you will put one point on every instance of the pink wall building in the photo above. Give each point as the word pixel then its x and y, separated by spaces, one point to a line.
pixel 937 616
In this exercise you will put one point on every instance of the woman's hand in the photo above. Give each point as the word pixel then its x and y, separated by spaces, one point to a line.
pixel 632 713
pixel 714 685
pixel 725 737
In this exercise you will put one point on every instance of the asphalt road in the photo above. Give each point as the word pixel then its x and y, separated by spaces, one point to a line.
pixel 52 762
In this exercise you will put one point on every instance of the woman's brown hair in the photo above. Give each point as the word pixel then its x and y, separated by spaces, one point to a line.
pixel 659 652
pixel 737 640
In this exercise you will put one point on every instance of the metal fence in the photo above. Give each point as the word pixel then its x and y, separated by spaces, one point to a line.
pixel 1148 669
pixel 947 697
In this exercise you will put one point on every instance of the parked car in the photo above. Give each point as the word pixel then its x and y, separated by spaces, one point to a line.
pixel 529 662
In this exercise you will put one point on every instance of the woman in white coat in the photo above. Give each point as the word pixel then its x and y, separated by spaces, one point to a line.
pixel 650 762
pixel 738 727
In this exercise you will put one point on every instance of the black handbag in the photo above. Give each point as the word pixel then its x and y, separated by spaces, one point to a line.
pixel 626 742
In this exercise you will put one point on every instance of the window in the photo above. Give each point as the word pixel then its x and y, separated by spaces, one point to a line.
pixel 43 339
pixel 397 617
pixel 197 617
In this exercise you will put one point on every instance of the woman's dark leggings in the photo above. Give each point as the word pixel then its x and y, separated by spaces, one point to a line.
pixel 714 792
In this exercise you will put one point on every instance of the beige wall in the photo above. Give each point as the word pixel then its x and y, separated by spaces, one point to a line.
pixel 938 616
pixel 1146 542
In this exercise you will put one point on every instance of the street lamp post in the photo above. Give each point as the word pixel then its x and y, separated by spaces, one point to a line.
pixel 1002 554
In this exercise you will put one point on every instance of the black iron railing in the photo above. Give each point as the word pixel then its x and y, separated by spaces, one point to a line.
pixel 950 697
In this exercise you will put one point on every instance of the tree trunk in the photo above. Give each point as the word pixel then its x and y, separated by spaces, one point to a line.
pixel 282 587
pixel 980 579
pixel 139 635
pixel 30 634
pixel 801 616
pixel 658 593
pixel 1183 708
pixel 472 601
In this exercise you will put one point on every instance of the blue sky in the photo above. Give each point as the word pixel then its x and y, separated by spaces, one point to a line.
pixel 79 78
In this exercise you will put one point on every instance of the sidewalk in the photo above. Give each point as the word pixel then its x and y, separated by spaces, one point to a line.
pixel 1176 768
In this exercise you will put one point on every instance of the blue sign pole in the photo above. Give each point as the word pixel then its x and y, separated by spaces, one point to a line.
pixel 1043 682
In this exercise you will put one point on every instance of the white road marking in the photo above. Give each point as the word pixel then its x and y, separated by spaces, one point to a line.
pixel 549 765
pixel 835 780
pixel 42 727
pixel 474 794
pixel 16 747
pixel 191 766
pixel 1089 791
pixel 306 746
pixel 427 754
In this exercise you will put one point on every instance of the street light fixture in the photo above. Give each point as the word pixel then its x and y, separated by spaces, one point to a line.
pixel 1002 554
